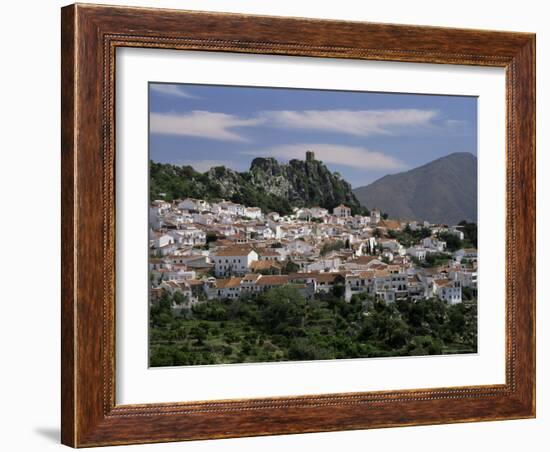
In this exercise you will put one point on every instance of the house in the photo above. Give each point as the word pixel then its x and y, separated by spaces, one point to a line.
pixel 303 214
pixel 360 221
pixel 417 252
pixel 188 235
pixel 361 263
pixel 248 282
pixel 416 288
pixel 299 246
pixel 434 244
pixel 341 211
pixel 163 244
pixel 269 254
pixel 193 204
pixel 448 290
pixel 232 208
pixel 467 254
pixel 325 282
pixel 318 212
pixel 271 281
pixel 157 264
pixel 172 287
pixel 266 266
pixel 324 265
pixel 253 213
pixel 228 288
pixel 178 273
pixel 359 283
pixel 233 260
pixel 467 278
pixel 375 216
pixel 162 240
pixel 392 245
pixel 206 219
pixel 416 225
pixel 157 210
pixel 456 232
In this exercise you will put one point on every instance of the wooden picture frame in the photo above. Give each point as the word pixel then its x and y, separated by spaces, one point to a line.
pixel 90 36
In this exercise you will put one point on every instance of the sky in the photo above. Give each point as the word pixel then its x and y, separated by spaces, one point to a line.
pixel 362 135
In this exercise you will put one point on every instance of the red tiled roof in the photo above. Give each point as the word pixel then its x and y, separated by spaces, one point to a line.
pixel 233 251
pixel 228 283
pixel 275 280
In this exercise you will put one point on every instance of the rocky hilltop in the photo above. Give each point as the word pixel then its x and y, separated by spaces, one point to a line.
pixel 268 184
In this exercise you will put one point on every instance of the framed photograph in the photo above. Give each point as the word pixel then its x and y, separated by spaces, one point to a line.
pixel 282 225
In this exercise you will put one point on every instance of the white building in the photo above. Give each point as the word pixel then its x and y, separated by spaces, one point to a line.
pixel 465 277
pixel 194 204
pixel 375 216
pixel 253 213
pixel 160 240
pixel 206 219
pixel 303 214
pixel 447 290
pixel 233 208
pixel 233 260
pixel 324 265
pixel 342 211
pixel 417 252
pixel 318 212
pixel 188 235
pixel 433 244
pixel 457 232
pixel 299 247
pixel 468 254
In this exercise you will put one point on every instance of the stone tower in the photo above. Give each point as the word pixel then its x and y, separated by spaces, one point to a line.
pixel 310 156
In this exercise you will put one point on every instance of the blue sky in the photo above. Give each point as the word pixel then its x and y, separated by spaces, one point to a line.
pixel 362 135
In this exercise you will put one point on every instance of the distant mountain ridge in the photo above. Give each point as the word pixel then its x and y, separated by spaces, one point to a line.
pixel 442 191
pixel 268 184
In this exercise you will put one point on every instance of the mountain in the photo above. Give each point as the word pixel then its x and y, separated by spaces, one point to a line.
pixel 268 184
pixel 442 191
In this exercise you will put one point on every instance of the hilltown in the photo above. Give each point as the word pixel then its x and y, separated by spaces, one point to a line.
pixel 221 250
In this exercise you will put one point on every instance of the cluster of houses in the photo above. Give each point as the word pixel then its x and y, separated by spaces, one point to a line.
pixel 222 250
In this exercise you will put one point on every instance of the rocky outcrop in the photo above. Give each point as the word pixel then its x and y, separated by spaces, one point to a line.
pixel 268 184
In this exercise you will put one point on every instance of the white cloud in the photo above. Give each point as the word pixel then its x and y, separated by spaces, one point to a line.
pixel 353 156
pixel 204 124
pixel 204 165
pixel 220 126
pixel 359 122
pixel 171 90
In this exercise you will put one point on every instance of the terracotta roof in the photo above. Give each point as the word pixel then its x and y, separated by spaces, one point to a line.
pixel 362 260
pixel 194 282
pixel 311 275
pixel 268 252
pixel 389 224
pixel 228 283
pixel 264 265
pixel 250 277
pixel 234 251
pixel 432 271
pixel 327 277
pixel 381 273
pixel 442 282
pixel 275 280
pixel 379 266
